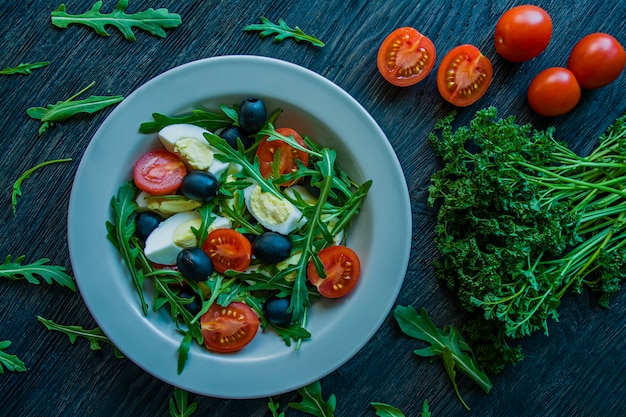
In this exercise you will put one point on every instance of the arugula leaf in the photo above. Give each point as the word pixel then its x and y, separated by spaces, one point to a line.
pixel 8 361
pixel 273 407
pixel 313 403
pixel 446 343
pixel 18 183
pixel 205 119
pixel 24 68
pixel 153 21
pixel 63 110
pixel 282 31
pixel 16 270
pixel 179 404
pixel 386 410
pixel 120 233
pixel 95 336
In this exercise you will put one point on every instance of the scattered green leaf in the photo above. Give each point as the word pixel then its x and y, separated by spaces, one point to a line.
pixel 282 31
pixel 151 20
pixel 386 410
pixel 95 336
pixel 447 344
pixel 9 361
pixel 24 68
pixel 179 404
pixel 313 403
pixel 63 110
pixel 16 270
pixel 273 407
pixel 17 191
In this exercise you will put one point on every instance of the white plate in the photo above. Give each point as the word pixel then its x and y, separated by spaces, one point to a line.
pixel 381 235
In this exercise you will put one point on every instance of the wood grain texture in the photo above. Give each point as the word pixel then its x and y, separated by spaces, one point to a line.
pixel 576 371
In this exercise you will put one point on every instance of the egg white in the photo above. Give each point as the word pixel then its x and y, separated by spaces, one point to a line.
pixel 276 214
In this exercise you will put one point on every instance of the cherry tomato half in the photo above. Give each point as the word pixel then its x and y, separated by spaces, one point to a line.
pixel 464 75
pixel 228 329
pixel 288 154
pixel 405 57
pixel 522 33
pixel 342 267
pixel 553 92
pixel 597 60
pixel 159 172
pixel 228 249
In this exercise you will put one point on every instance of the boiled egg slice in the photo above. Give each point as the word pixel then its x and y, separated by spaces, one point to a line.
pixel 188 142
pixel 276 214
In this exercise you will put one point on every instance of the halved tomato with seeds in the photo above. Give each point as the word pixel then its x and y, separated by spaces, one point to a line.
pixel 228 249
pixel 228 329
pixel 464 75
pixel 287 154
pixel 405 57
pixel 342 268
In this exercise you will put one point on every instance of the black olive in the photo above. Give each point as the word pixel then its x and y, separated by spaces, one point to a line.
pixel 195 305
pixel 252 115
pixel 271 247
pixel 275 311
pixel 194 264
pixel 230 135
pixel 199 185
pixel 145 223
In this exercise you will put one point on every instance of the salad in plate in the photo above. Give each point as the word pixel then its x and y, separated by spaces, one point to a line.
pixel 238 225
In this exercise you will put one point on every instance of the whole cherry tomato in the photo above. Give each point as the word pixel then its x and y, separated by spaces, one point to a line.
pixel 553 92
pixel 522 33
pixel 597 60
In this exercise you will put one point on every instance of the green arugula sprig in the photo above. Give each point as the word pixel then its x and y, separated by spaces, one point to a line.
pixel 9 361
pixel 312 401
pixel 386 410
pixel 63 110
pixel 179 404
pixel 95 336
pixel 17 190
pixel 150 20
pixel 17 270
pixel 282 31
pixel 24 68
pixel 447 344
pixel 205 119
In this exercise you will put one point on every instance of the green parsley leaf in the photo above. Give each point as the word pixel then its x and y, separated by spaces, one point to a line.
pixel 153 21
pixel 282 31
pixel 17 191
pixel 16 270
pixel 9 361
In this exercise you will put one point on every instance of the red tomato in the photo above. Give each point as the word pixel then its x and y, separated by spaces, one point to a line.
pixel 288 154
pixel 228 249
pixel 553 92
pixel 228 329
pixel 596 60
pixel 464 75
pixel 159 172
pixel 342 267
pixel 405 57
pixel 522 33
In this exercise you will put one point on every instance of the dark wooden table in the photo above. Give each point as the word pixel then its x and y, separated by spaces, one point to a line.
pixel 576 371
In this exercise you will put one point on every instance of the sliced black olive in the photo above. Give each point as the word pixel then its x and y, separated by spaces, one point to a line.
pixel 275 310
pixel 252 115
pixel 271 247
pixel 199 185
pixel 145 223
pixel 230 135
pixel 194 264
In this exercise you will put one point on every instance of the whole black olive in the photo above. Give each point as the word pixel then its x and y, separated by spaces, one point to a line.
pixel 194 264
pixel 252 115
pixel 145 223
pixel 195 305
pixel 275 311
pixel 271 247
pixel 199 185
pixel 230 135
